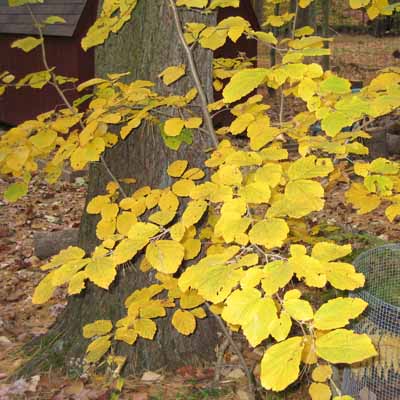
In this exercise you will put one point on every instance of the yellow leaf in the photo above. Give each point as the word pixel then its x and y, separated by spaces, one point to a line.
pixel 322 373
pixel 173 126
pixel 271 232
pixel 125 221
pixel 143 230
pixel 354 4
pixel 228 175
pixel 231 225
pixel 310 167
pixel 212 277
pixel 172 74
pixel 152 310
pixel 183 187
pixel 245 307
pixel 105 229
pixel 301 197
pixel 193 212
pixel 44 138
pixel 269 174
pixel 97 328
pixel 255 192
pixel 193 123
pixel 109 212
pixel 126 250
pixel 97 203
pixel 392 211
pixel 77 283
pixel 44 290
pixel 309 356
pixel 320 391
pixel 307 267
pixel 242 83
pixel 298 309
pixel 177 231
pixel 277 275
pixel 325 251
pixel 343 276
pixel 191 299
pixel 65 273
pixel 162 217
pixel 101 272
pixel 337 313
pixel 280 327
pixel 199 313
pixel 126 334
pixel 192 248
pixel 152 199
pixel 280 365
pixel 27 43
pixel 240 124
pixel 145 328
pixel 177 168
pixel 97 349
pixel 192 3
pixel 194 174
pixel 184 322
pixel 165 255
pixel 344 346
pixel 70 254
pixel 168 201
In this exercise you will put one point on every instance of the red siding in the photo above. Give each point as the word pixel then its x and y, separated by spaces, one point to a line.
pixel 64 53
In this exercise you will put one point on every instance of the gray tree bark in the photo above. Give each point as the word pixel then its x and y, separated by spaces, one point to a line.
pixel 145 46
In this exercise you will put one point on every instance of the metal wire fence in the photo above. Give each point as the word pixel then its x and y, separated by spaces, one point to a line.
pixel 378 378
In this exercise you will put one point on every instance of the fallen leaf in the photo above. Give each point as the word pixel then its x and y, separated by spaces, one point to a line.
pixel 150 376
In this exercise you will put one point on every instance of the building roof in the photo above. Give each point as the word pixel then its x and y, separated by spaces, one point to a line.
pixel 17 20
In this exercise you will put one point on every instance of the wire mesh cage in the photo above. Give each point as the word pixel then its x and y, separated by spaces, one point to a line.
pixel 379 377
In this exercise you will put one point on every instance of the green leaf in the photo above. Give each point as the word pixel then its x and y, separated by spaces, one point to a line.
pixel 174 142
pixel 335 85
pixel 15 191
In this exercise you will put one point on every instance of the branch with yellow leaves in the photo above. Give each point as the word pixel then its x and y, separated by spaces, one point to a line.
pixel 195 75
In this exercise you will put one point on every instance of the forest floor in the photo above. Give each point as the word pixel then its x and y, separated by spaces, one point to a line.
pixel 58 207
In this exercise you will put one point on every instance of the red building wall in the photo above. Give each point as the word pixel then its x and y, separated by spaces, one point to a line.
pixel 65 53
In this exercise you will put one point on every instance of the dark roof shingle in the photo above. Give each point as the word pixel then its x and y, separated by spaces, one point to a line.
pixel 17 20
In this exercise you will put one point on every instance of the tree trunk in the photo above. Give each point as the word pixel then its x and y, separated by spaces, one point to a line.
pixel 326 9
pixel 145 46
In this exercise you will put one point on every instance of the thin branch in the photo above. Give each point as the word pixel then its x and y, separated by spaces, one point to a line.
pixel 195 75
pixel 236 349
pixel 220 359
pixel 63 97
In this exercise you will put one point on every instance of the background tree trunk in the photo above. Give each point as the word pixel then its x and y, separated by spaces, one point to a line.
pixel 145 46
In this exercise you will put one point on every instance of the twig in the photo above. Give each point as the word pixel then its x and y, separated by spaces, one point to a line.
pixel 220 360
pixel 195 75
pixel 242 361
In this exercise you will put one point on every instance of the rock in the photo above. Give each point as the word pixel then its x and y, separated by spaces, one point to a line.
pixel 47 244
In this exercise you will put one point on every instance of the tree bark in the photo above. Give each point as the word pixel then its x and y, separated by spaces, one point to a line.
pixel 145 46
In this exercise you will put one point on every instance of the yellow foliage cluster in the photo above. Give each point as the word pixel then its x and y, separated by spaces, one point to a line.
pixel 219 240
